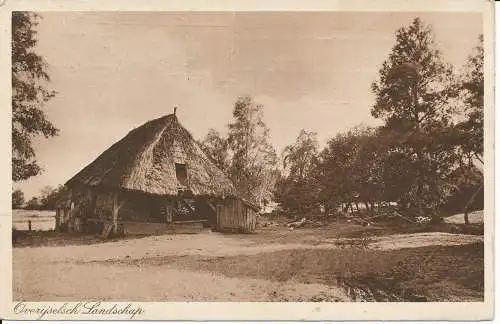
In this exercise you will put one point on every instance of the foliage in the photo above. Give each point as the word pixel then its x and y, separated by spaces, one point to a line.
pixel 299 196
pixel 421 160
pixel 414 95
pixel 216 147
pixel 29 95
pixel 17 199
pixel 253 159
pixel 47 199
pixel 33 204
pixel 246 154
pixel 472 84
pixel 468 180
pixel 297 190
pixel 349 169
pixel 300 157
pixel 413 85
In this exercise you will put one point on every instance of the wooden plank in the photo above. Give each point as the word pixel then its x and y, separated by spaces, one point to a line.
pixel 167 211
pixel 241 217
pixel 234 212
pixel 211 205
pixel 115 212
pixel 108 227
pixel 71 217
pixel 94 220
pixel 116 208
pixel 191 221
pixel 248 224
pixel 218 217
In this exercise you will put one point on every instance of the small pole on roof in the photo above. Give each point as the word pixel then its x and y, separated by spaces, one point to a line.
pixel 175 109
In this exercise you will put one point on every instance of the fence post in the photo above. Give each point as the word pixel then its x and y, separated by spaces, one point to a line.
pixel 29 225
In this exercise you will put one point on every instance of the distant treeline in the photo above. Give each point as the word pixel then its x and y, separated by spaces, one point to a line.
pixel 45 201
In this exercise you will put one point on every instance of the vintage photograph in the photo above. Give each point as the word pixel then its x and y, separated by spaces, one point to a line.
pixel 284 156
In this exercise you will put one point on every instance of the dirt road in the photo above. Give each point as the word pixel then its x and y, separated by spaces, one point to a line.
pixel 122 270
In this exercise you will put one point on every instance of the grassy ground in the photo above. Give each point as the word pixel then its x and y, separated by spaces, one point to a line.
pixel 338 262
pixel 54 238
pixel 400 275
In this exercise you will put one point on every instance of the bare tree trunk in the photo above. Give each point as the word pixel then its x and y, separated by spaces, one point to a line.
pixel 467 181
pixel 419 152
pixel 471 199
pixel 372 208
pixel 345 207
pixel 357 205
pixel 466 217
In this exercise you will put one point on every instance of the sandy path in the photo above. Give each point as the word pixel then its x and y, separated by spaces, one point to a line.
pixel 64 272
pixel 214 244
pixel 65 281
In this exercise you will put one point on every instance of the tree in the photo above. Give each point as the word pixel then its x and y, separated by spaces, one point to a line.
pixel 299 195
pixel 471 131
pixel 33 204
pixel 368 163
pixel 216 147
pixel 299 158
pixel 350 170
pixel 29 95
pixel 17 199
pixel 46 197
pixel 254 159
pixel 298 190
pixel 413 96
pixel 472 84
pixel 49 197
pixel 468 193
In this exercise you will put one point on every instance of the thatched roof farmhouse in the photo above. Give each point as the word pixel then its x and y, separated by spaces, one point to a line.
pixel 155 179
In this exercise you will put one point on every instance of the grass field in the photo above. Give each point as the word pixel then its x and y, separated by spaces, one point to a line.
pixel 396 275
pixel 41 220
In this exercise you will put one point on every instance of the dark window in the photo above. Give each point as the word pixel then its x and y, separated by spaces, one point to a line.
pixel 181 173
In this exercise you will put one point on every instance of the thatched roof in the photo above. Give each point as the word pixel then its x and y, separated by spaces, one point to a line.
pixel 145 159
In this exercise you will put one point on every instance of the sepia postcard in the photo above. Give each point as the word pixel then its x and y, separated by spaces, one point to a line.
pixel 247 160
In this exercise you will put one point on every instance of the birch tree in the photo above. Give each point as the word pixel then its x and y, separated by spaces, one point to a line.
pixel 253 157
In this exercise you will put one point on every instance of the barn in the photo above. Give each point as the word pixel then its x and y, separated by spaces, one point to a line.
pixel 155 180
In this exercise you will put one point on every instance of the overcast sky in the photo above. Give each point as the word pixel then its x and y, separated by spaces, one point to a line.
pixel 115 71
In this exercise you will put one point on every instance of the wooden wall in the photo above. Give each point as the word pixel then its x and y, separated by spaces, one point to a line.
pixel 143 228
pixel 88 209
pixel 233 215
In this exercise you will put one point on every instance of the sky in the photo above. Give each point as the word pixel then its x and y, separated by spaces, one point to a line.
pixel 113 71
